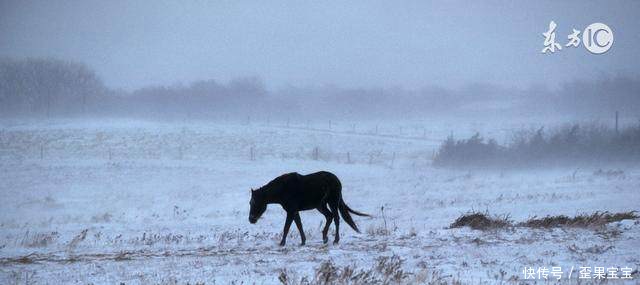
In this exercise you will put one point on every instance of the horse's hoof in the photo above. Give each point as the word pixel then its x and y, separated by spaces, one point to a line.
pixel 336 241
pixel 325 240
pixel 282 243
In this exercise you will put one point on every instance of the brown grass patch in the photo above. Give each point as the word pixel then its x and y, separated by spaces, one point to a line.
pixel 596 219
pixel 481 221
pixel 485 221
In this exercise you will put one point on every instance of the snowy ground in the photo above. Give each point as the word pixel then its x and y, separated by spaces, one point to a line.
pixel 143 202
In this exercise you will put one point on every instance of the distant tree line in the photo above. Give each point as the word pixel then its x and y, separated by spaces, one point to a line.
pixel 52 87
pixel 47 86
pixel 200 99
pixel 587 97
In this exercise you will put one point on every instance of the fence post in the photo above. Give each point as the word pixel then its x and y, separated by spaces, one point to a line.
pixel 616 122
pixel 393 159
pixel 348 157
pixel 251 154
pixel 41 151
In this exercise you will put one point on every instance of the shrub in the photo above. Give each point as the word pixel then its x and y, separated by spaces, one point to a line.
pixel 571 144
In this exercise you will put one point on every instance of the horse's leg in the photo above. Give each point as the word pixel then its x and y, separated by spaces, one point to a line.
pixel 287 225
pixel 328 215
pixel 296 218
pixel 336 220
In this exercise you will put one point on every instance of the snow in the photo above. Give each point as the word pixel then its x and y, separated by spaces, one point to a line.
pixel 145 202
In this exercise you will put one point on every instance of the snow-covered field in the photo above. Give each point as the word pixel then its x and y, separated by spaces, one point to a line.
pixel 148 202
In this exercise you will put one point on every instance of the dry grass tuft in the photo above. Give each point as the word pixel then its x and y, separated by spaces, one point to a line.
pixel 596 219
pixel 387 270
pixel 24 260
pixel 481 221
pixel 484 221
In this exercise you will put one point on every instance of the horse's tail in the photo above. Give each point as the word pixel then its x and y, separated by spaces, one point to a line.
pixel 344 212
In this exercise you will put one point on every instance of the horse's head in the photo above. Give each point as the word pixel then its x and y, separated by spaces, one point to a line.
pixel 257 206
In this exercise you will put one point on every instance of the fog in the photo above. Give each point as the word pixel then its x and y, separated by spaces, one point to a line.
pixel 45 88
pixel 360 44
pixel 141 142
pixel 308 60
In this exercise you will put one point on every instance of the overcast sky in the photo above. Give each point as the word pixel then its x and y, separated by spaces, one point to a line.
pixel 346 43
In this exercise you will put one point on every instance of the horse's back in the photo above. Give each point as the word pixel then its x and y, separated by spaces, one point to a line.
pixel 322 179
pixel 321 175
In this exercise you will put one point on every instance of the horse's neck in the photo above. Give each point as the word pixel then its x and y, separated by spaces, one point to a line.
pixel 272 194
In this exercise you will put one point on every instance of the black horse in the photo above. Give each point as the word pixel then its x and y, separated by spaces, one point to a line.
pixel 295 192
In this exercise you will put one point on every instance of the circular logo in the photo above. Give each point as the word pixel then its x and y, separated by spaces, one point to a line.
pixel 597 38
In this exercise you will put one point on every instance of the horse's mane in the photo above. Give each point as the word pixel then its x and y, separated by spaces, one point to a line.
pixel 278 180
